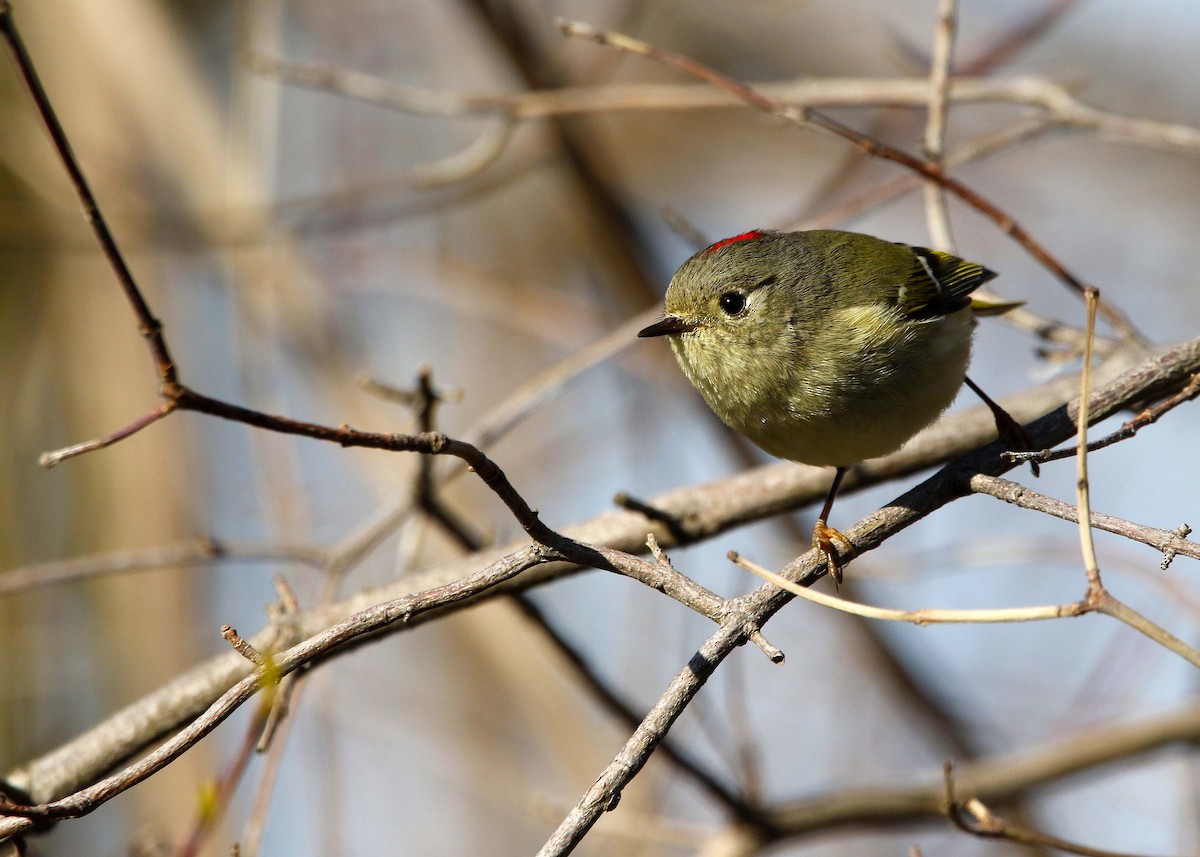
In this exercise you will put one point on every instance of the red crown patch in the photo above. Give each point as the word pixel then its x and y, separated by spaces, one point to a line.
pixel 745 236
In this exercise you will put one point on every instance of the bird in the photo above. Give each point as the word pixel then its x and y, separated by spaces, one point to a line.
pixel 824 347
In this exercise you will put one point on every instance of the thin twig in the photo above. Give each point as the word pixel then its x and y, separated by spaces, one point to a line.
pixel 999 778
pixel 494 425
pixel 216 802
pixel 544 386
pixel 1147 416
pixel 148 325
pixel 1055 101
pixel 1086 542
pixel 275 730
pixel 1102 601
pixel 281 701
pixel 1018 37
pixel 1176 547
pixel 988 144
pixel 201 550
pixel 1167 542
pixel 805 116
pixel 426 443
pixel 936 214
pixel 628 715
pixel 923 616
pixel 50 459
pixel 256 822
pixel 408 398
pixel 974 817
pixel 469 163
pixel 242 647
pixel 1099 598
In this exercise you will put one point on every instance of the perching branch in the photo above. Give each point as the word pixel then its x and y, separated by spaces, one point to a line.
pixel 703 512
pixel 947 485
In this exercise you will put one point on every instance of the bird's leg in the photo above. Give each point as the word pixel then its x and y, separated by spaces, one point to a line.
pixel 831 545
pixel 1011 432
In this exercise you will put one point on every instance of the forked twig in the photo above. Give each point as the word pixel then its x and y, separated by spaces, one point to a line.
pixel 1146 417
pixel 974 817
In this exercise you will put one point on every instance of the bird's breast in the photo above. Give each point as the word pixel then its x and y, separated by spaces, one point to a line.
pixel 858 390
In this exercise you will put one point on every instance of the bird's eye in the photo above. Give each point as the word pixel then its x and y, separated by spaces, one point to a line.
pixel 732 303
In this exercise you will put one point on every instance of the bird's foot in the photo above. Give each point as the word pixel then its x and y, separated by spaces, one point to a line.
pixel 832 547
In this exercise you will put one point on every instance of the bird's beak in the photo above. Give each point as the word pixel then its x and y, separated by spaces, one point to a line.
pixel 667 326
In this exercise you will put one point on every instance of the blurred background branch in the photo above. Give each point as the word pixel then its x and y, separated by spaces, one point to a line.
pixel 308 193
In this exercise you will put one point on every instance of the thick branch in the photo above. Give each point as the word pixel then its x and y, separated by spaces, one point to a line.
pixel 700 511
pixel 755 609
pixel 995 780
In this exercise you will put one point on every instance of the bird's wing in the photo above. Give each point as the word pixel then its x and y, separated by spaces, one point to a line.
pixel 938 283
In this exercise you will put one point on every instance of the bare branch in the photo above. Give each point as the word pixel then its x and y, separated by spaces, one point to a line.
pixel 149 326
pixel 470 162
pixel 1058 104
pixel 83 774
pixel 973 816
pixel 50 459
pixel 936 215
pixel 704 511
pixel 756 608
pixel 1148 416
pixel 998 779
pixel 923 616
pixel 203 550
pixel 399 611
pixel 1087 543
pixel 180 397
pixel 1102 601
pixel 1166 541
pixel 241 646
pixel 868 145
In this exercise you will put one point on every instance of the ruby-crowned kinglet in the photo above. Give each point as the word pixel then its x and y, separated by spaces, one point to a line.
pixel 823 347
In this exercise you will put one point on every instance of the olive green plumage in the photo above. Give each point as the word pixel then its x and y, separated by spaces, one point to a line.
pixel 824 347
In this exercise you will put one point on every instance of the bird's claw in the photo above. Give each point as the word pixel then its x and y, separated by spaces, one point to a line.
pixel 832 547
